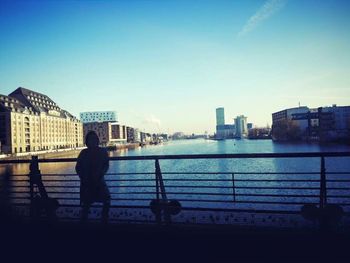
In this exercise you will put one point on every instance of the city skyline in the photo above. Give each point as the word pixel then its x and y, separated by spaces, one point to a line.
pixel 165 66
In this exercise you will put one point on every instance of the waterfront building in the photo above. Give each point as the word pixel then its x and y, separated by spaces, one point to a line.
pixel 145 137
pixel 98 116
pixel 249 126
pixel 223 130
pixel 323 123
pixel 130 132
pixel 137 135
pixel 178 136
pixel 259 133
pixel 226 131
pixel 334 123
pixel 220 116
pixel 241 126
pixel 31 121
pixel 298 115
pixel 109 133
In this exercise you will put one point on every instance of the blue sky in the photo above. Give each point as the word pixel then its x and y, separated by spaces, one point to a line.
pixel 166 65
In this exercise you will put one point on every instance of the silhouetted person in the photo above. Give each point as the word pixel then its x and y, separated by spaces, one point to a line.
pixel 40 202
pixel 91 167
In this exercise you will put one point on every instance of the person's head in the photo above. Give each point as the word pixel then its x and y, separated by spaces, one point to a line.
pixel 91 139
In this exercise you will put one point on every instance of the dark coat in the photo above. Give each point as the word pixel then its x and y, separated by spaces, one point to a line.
pixel 91 167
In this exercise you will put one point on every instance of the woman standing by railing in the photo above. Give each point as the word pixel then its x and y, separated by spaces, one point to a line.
pixel 92 165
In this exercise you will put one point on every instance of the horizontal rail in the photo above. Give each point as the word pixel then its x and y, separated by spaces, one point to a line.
pixel 198 156
pixel 199 200
pixel 190 173
pixel 203 186
pixel 198 193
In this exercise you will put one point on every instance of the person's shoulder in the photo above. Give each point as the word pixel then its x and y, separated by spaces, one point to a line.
pixel 102 150
pixel 83 152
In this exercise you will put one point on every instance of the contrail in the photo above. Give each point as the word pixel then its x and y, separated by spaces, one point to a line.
pixel 269 8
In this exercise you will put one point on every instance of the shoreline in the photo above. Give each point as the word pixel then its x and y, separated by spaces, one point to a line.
pixel 64 152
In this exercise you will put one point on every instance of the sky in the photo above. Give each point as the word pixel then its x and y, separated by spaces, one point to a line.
pixel 166 65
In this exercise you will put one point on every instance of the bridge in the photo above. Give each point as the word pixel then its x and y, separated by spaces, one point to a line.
pixel 245 198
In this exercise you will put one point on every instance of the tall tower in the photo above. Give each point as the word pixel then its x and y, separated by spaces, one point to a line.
pixel 220 116
pixel 220 123
pixel 241 126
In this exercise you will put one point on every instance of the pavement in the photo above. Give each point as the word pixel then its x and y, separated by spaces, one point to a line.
pixel 45 241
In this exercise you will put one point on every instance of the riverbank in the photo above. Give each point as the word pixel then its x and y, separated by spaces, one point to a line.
pixel 43 154
pixel 65 152
pixel 127 146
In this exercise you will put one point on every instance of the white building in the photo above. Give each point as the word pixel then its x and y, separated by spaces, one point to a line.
pixel 241 126
pixel 137 135
pixel 299 115
pixel 98 116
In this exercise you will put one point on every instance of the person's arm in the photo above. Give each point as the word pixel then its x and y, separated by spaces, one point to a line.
pixel 105 166
pixel 78 166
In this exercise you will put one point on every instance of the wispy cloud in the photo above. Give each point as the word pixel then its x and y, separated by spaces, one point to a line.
pixel 269 8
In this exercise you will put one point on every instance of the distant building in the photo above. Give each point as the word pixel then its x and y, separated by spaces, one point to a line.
pixel 98 116
pixel 323 123
pixel 259 133
pixel 130 134
pixel 223 130
pixel 109 133
pixel 145 137
pixel 31 121
pixel 178 136
pixel 249 126
pixel 137 135
pixel 241 126
pixel 334 123
pixel 226 131
pixel 220 116
pixel 299 115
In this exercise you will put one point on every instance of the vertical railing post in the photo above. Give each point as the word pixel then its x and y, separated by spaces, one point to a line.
pixel 233 188
pixel 163 202
pixel 157 181
pixel 158 210
pixel 33 170
pixel 323 186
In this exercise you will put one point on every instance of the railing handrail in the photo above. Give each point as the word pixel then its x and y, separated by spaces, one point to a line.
pixel 196 156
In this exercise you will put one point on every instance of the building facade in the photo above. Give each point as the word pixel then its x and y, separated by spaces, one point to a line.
pixel 31 121
pixel 297 115
pixel 223 130
pixel 334 123
pixel 130 134
pixel 220 116
pixel 109 133
pixel 226 131
pixel 241 126
pixel 322 124
pixel 98 116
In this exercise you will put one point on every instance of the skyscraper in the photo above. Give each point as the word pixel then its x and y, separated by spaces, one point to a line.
pixel 220 116
pixel 223 131
pixel 241 126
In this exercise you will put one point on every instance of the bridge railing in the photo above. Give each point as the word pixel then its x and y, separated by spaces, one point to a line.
pixel 169 194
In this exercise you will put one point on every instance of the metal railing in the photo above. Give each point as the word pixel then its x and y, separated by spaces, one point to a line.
pixel 168 193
